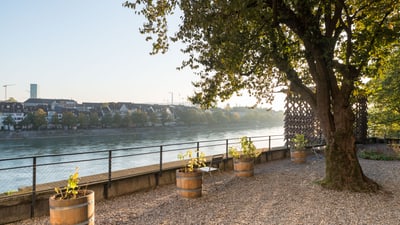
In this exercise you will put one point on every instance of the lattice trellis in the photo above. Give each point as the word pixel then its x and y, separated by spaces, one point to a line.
pixel 361 119
pixel 300 119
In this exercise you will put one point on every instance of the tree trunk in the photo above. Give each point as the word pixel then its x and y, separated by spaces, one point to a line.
pixel 342 169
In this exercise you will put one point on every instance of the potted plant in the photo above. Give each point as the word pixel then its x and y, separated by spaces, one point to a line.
pixel 71 205
pixel 298 151
pixel 189 179
pixel 243 161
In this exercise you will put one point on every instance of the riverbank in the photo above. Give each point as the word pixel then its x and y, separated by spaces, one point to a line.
pixel 15 135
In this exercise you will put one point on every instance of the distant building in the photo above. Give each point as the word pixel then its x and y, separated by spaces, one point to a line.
pixel 159 115
pixel 34 90
pixel 48 105
pixel 13 109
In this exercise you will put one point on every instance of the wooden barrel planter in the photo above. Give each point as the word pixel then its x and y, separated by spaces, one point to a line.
pixel 298 156
pixel 72 211
pixel 243 167
pixel 189 184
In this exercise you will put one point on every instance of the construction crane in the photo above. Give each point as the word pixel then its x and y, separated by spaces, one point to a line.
pixel 5 90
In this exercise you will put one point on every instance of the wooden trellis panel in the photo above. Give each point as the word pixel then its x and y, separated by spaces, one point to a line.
pixel 300 119
pixel 361 119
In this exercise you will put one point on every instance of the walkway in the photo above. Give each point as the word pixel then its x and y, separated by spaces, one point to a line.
pixel 279 193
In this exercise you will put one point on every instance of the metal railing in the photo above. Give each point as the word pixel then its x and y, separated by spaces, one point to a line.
pixel 24 175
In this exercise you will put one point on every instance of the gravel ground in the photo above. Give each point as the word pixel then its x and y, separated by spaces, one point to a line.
pixel 280 193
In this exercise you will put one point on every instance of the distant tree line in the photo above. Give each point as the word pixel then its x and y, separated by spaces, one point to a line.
pixel 196 116
pixel 188 116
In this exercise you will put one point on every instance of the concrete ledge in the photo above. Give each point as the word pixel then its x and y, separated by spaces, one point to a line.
pixel 23 204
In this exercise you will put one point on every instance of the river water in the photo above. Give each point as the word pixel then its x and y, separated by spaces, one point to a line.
pixel 145 142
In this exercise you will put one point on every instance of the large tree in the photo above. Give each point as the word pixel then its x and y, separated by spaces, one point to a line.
pixel 320 49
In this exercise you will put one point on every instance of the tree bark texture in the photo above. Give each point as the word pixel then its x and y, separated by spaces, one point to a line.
pixel 343 170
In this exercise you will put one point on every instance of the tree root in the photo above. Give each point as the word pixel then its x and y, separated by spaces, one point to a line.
pixel 365 186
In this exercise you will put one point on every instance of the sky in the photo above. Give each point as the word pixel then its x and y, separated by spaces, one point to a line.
pixel 89 51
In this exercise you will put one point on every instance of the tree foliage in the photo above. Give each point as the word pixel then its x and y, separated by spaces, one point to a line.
pixel 139 118
pixel 126 121
pixel 55 121
pixel 94 119
pixel 385 97
pixel 27 122
pixel 116 120
pixel 69 120
pixel 39 119
pixel 107 120
pixel 153 118
pixel 166 117
pixel 83 120
pixel 9 122
pixel 319 49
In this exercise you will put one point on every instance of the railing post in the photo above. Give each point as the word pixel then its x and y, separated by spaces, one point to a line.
pixel 159 174
pixel 198 149
pixel 109 167
pixel 108 184
pixel 161 159
pixel 227 148
pixel 33 187
pixel 269 143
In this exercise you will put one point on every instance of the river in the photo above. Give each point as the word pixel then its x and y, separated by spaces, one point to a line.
pixel 12 179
